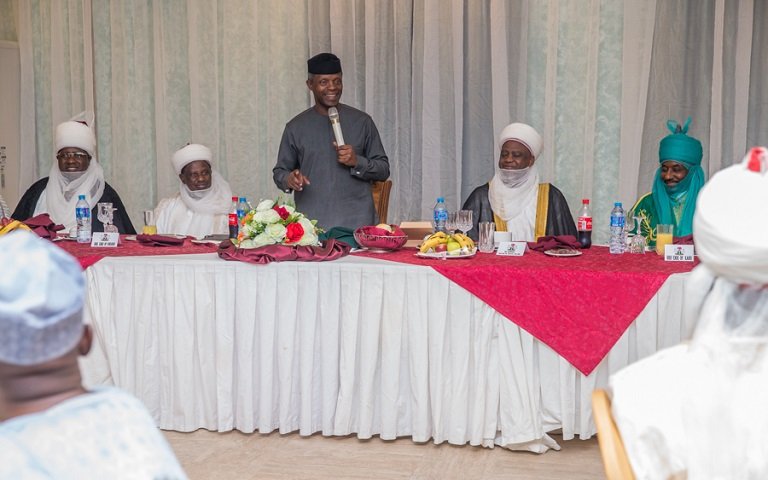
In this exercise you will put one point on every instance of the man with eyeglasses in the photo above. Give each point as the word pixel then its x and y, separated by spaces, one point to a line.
pixel 75 172
pixel 514 199
pixel 201 206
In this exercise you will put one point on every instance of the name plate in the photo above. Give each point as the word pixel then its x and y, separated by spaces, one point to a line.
pixel 678 253
pixel 104 239
pixel 511 249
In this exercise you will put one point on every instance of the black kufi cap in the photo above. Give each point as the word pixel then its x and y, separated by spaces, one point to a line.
pixel 324 64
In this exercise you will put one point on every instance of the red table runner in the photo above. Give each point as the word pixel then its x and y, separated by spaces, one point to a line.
pixel 578 306
pixel 88 255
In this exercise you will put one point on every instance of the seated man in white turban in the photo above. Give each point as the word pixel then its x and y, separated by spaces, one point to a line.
pixel 202 204
pixel 514 199
pixel 75 172
pixel 50 426
pixel 698 410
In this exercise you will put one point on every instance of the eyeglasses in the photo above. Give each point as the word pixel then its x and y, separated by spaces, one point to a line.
pixel 73 155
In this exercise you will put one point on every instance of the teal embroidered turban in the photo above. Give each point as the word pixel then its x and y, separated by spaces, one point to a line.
pixel 679 146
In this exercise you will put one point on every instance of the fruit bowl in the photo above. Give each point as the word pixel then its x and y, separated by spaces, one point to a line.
pixel 377 239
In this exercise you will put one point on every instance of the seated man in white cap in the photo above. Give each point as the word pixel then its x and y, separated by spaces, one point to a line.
pixel 75 172
pixel 50 426
pixel 202 204
pixel 698 410
pixel 514 199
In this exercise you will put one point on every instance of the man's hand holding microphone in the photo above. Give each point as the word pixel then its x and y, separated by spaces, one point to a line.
pixel 345 154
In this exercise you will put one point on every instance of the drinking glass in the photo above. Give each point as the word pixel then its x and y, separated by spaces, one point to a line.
pixel 464 221
pixel 104 213
pixel 451 222
pixel 637 245
pixel 664 235
pixel 485 236
pixel 149 223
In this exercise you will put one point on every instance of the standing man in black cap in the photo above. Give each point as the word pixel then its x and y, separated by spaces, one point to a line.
pixel 331 183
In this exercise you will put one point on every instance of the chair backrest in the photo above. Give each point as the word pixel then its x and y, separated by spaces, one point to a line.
pixel 615 460
pixel 380 192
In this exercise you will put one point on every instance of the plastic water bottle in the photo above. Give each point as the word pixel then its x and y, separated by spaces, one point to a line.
pixel 617 243
pixel 83 216
pixel 440 215
pixel 584 225
pixel 234 220
pixel 242 208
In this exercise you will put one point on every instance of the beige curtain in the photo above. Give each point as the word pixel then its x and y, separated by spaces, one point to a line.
pixel 598 78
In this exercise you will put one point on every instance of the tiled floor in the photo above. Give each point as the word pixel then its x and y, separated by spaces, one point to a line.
pixel 234 455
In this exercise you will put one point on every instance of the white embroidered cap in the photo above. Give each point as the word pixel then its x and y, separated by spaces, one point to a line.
pixel 41 300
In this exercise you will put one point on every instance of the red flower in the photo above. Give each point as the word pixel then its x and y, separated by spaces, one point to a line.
pixel 282 211
pixel 294 232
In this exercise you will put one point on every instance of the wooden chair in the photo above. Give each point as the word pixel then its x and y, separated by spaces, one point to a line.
pixel 615 460
pixel 380 192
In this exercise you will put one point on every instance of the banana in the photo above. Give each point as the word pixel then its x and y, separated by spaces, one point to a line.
pixel 13 225
pixel 438 235
pixel 432 242
pixel 464 241
pixel 461 241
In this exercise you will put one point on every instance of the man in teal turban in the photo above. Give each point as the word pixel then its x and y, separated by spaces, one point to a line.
pixel 675 187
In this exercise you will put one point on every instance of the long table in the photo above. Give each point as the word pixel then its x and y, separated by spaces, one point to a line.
pixel 358 345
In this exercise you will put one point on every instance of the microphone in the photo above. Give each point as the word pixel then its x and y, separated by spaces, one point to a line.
pixel 333 116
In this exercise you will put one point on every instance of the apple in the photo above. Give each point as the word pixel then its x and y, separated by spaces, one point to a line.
pixel 453 248
pixel 440 247
pixel 384 226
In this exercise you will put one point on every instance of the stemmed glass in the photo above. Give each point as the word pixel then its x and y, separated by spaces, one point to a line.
pixel 105 216
pixel 464 221
pixel 637 244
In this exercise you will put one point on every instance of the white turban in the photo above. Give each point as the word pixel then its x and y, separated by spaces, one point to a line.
pixel 75 134
pixel 41 300
pixel 189 154
pixel 524 134
pixel 730 230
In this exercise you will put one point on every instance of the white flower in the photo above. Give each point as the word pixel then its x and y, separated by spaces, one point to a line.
pixel 307 224
pixel 266 216
pixel 276 232
pixel 247 230
pixel 261 240
pixel 310 236
pixel 265 205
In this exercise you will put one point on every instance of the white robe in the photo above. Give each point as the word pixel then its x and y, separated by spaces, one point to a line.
pixel 172 216
pixel 699 409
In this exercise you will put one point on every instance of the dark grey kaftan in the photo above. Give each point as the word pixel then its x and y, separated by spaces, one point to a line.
pixel 337 196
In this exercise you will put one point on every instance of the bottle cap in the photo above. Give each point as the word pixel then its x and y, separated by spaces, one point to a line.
pixel 440 199
pixel 234 199
pixel 585 200
pixel 617 204
pixel 81 197
pixel 242 199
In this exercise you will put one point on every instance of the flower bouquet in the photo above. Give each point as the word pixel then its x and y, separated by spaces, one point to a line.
pixel 276 223
pixel 276 232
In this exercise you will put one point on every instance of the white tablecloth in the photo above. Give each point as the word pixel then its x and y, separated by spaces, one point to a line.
pixel 357 345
